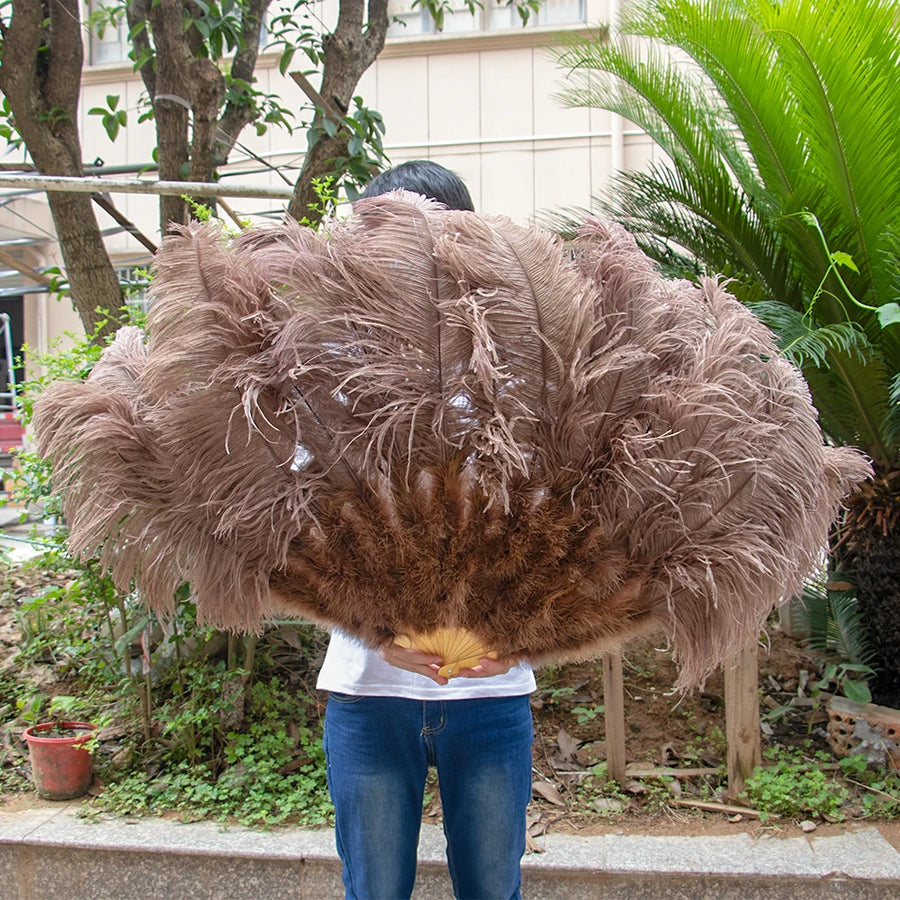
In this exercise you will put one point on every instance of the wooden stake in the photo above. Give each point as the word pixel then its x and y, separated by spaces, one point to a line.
pixel 614 701
pixel 742 717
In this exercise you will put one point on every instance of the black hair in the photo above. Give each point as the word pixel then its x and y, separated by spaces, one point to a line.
pixel 423 177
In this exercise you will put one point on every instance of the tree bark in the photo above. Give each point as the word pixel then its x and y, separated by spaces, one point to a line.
pixel 237 115
pixel 43 92
pixel 171 103
pixel 349 51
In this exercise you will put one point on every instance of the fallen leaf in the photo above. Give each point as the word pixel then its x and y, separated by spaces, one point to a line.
pixel 567 744
pixel 668 756
pixel 548 792
pixel 588 755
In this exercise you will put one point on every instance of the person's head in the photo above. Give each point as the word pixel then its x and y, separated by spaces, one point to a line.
pixel 421 176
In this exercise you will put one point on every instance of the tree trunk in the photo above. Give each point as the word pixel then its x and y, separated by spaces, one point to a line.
pixel 349 51
pixel 42 88
pixel 171 103
pixel 869 557
pixel 236 115
pixel 96 292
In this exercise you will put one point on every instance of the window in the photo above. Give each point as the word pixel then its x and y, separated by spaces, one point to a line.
pixel 108 34
pixel 494 16
pixel 551 12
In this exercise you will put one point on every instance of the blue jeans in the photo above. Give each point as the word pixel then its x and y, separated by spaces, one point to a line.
pixel 378 750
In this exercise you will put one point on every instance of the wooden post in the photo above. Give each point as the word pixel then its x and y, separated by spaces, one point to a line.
pixel 742 717
pixel 614 703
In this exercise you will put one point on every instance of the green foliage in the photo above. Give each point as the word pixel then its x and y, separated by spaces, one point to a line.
pixel 793 785
pixel 836 630
pixel 365 151
pixel 598 786
pixel 326 203
pixel 773 175
pixel 585 714
pixel 843 677
pixel 8 130
pixel 880 787
pixel 111 116
pixel 269 773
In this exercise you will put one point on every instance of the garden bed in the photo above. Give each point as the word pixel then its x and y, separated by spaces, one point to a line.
pixel 675 745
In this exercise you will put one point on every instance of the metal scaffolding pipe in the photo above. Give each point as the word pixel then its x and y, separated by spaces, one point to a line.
pixel 130 186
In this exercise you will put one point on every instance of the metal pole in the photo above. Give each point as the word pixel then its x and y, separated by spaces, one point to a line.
pixel 10 362
pixel 130 186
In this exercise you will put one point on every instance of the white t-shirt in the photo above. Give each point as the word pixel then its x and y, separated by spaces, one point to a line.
pixel 351 667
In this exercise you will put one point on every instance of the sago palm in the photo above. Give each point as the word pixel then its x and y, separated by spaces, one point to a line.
pixel 781 171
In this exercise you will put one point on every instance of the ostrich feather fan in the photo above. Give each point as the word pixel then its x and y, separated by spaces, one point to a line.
pixel 426 419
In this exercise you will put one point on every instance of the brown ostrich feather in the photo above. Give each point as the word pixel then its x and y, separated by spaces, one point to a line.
pixel 425 419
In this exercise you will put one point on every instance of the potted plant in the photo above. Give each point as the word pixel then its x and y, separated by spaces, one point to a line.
pixel 61 756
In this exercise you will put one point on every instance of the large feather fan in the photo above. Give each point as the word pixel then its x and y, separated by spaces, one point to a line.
pixel 426 418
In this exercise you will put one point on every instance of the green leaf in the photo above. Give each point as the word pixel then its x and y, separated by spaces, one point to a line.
pixel 839 258
pixel 284 63
pixel 857 691
pixel 889 314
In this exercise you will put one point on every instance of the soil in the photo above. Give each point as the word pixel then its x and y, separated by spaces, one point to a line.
pixel 664 730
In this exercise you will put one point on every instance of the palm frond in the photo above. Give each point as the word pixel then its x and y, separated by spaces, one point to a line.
pixel 773 93
pixel 706 217
pixel 852 400
pixel 835 624
pixel 834 58
pixel 730 49
pixel 892 419
pixel 805 343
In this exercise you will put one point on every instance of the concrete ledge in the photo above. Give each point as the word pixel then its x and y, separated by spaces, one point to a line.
pixel 47 851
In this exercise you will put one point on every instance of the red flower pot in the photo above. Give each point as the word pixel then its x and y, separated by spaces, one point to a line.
pixel 61 765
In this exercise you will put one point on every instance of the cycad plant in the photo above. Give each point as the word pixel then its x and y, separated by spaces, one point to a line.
pixel 781 171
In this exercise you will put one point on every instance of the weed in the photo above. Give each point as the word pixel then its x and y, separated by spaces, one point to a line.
pixel 586 714
pixel 792 784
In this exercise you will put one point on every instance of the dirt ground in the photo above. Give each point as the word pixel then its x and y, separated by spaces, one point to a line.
pixel 669 730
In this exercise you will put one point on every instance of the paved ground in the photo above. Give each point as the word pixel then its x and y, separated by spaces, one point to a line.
pixel 50 852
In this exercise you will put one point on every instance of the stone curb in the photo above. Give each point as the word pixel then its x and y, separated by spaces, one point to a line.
pixel 46 851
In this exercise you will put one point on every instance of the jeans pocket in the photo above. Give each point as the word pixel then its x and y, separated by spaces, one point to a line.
pixel 344 698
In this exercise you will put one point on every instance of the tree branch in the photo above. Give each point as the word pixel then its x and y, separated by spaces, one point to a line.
pixel 348 52
pixel 173 82
pixel 236 115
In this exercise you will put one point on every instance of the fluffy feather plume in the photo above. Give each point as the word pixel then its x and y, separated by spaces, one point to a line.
pixel 429 419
